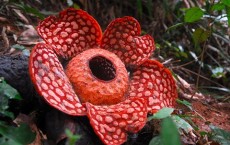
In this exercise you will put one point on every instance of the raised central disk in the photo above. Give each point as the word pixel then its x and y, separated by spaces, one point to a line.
pixel 98 76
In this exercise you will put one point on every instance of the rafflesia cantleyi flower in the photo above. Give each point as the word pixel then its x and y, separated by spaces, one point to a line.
pixel 80 72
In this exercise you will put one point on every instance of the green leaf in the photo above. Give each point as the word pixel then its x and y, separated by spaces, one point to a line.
pixel 193 14
pixel 30 10
pixel 218 7
pixel 203 133
pixel 183 54
pixel 169 133
pixel 226 2
pixel 155 141
pixel 186 103
pixel 139 7
pixel 6 141
pixel 8 91
pixel 21 135
pixel 221 136
pixel 18 47
pixel 76 6
pixel 34 11
pixel 5 112
pixel 182 124
pixel 163 113
pixel 175 26
pixel 72 138
pixel 200 35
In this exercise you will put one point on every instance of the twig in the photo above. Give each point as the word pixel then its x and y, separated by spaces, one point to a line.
pixel 5 39
pixel 214 59
pixel 218 51
pixel 226 98
pixel 222 38
pixel 190 62
pixel 186 3
pixel 202 77
pixel 201 59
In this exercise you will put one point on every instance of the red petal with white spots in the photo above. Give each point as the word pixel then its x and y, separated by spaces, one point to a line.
pixel 122 37
pixel 51 82
pixel 71 33
pixel 112 123
pixel 155 83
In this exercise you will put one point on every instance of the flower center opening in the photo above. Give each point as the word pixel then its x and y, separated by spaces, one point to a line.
pixel 102 68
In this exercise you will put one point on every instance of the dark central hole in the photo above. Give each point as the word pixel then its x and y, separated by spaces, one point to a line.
pixel 102 68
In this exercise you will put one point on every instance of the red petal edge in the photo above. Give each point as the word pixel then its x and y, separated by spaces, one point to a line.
pixel 71 33
pixel 49 78
pixel 155 83
pixel 111 123
pixel 122 37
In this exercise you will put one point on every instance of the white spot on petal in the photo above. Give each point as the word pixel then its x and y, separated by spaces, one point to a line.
pixel 130 110
pixel 132 94
pixel 44 86
pixel 108 119
pixel 64 34
pixel 59 92
pixel 147 93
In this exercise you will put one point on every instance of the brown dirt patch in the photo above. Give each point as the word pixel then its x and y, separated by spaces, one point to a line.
pixel 215 114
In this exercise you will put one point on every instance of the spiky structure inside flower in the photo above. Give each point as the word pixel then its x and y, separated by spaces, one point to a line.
pixel 95 82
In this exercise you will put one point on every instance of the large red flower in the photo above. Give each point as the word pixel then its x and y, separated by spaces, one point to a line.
pixel 95 81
